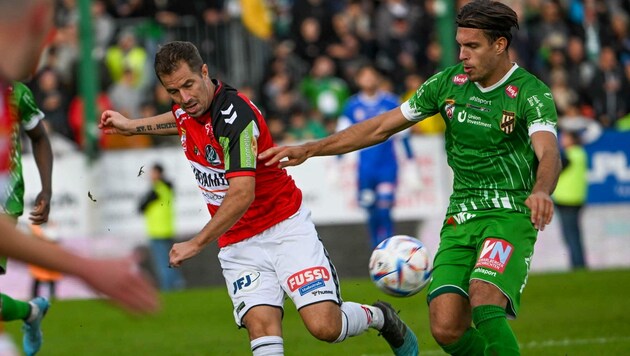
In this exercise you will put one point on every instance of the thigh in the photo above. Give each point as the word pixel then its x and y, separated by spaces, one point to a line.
pixel 301 262
pixel 505 248
pixel 250 277
pixel 453 261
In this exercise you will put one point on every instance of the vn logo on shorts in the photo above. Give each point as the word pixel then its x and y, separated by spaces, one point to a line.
pixel 495 254
pixel 307 280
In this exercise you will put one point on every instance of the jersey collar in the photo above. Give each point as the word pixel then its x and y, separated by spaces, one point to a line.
pixel 500 82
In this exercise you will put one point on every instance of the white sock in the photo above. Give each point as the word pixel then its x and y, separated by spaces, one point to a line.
pixel 267 346
pixel 34 312
pixel 7 347
pixel 357 318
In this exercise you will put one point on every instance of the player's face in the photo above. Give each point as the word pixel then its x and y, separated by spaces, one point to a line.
pixel 189 89
pixel 368 80
pixel 479 56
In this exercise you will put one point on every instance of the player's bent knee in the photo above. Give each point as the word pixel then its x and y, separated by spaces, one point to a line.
pixel 446 334
pixel 323 320
pixel 263 321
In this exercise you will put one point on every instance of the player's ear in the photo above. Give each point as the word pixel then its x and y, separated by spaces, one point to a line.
pixel 204 70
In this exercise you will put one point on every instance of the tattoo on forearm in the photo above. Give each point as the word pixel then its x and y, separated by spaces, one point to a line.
pixel 148 128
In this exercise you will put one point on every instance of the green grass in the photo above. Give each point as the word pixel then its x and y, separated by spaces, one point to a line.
pixel 580 313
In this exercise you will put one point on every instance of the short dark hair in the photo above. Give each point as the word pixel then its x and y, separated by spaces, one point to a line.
pixel 169 56
pixel 159 168
pixel 494 18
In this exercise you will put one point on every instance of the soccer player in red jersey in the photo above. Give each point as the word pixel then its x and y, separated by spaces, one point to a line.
pixel 269 245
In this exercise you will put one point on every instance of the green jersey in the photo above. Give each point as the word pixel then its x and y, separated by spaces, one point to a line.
pixel 487 135
pixel 28 115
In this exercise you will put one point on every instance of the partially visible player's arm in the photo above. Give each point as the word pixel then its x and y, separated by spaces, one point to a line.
pixel 545 146
pixel 112 122
pixel 364 134
pixel 237 200
pixel 44 161
pixel 118 278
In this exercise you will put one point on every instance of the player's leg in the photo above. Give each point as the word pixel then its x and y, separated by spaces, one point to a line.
pixel 366 198
pixel 449 308
pixel 31 313
pixel 264 326
pixel 506 244
pixel 385 193
pixel 256 295
pixel 309 278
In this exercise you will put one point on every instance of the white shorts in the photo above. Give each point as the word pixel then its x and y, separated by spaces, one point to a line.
pixel 288 258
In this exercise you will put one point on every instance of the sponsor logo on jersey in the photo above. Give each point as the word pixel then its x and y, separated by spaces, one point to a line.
pixel 212 156
pixel 495 254
pixel 246 281
pixel 196 151
pixel 179 112
pixel 209 131
pixel 479 100
pixel 209 179
pixel 508 122
pixel 511 91
pixel 308 280
pixel 229 114
pixel 183 139
pixel 449 108
pixel 548 96
pixel 460 79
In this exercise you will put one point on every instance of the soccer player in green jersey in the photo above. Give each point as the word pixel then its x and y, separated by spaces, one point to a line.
pixel 24 27
pixel 501 144
pixel 23 107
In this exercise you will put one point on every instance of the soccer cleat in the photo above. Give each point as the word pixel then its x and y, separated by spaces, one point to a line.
pixel 399 337
pixel 32 340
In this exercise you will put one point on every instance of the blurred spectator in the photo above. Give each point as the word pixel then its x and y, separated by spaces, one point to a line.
pixel 323 89
pixel 127 54
pixel 125 97
pixel 104 28
pixel 609 89
pixel 570 194
pixel 549 30
pixel 52 100
pixel 319 13
pixel 563 95
pixel 309 43
pixel 621 35
pixel 580 71
pixel 304 128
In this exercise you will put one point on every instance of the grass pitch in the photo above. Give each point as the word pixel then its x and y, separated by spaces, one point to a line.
pixel 578 313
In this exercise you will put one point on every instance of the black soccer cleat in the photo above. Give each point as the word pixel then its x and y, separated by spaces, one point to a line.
pixel 399 337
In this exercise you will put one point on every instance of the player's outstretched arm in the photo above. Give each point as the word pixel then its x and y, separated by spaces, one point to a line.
pixel 119 278
pixel 44 161
pixel 113 122
pixel 364 134
pixel 539 201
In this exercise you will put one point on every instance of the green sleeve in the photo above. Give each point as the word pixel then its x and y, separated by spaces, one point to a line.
pixel 424 102
pixel 28 112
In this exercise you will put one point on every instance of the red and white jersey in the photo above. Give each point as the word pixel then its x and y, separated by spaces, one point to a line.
pixel 6 129
pixel 224 143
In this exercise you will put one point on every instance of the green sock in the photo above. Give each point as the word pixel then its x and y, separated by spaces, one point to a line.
pixel 11 309
pixel 471 343
pixel 491 321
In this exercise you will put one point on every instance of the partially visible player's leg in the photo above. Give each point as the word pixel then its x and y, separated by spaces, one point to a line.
pixel 450 319
pixel 264 326
pixel 488 313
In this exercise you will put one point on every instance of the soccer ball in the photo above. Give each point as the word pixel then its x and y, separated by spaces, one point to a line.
pixel 400 266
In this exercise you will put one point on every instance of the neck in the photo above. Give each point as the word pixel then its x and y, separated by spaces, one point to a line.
pixel 501 70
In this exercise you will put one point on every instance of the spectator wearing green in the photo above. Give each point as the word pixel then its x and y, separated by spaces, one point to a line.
pixel 158 206
pixel 570 194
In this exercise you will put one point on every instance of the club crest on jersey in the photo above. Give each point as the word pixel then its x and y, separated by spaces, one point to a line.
pixel 508 122
pixel 212 156
pixel 449 108
pixel 460 79
pixel 229 114
pixel 511 91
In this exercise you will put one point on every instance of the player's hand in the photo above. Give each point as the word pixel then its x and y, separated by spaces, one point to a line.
pixel 182 251
pixel 39 214
pixel 541 205
pixel 113 122
pixel 123 282
pixel 284 156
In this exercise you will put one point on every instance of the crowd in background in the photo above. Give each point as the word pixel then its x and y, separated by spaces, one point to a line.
pixel 296 59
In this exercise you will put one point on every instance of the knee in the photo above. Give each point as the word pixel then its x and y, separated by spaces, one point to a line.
pixel 445 334
pixel 325 331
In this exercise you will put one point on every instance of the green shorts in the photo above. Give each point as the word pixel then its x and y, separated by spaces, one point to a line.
pixel 493 246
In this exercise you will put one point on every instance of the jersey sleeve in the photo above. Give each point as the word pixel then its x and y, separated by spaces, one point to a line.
pixel 424 102
pixel 540 110
pixel 28 112
pixel 238 132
